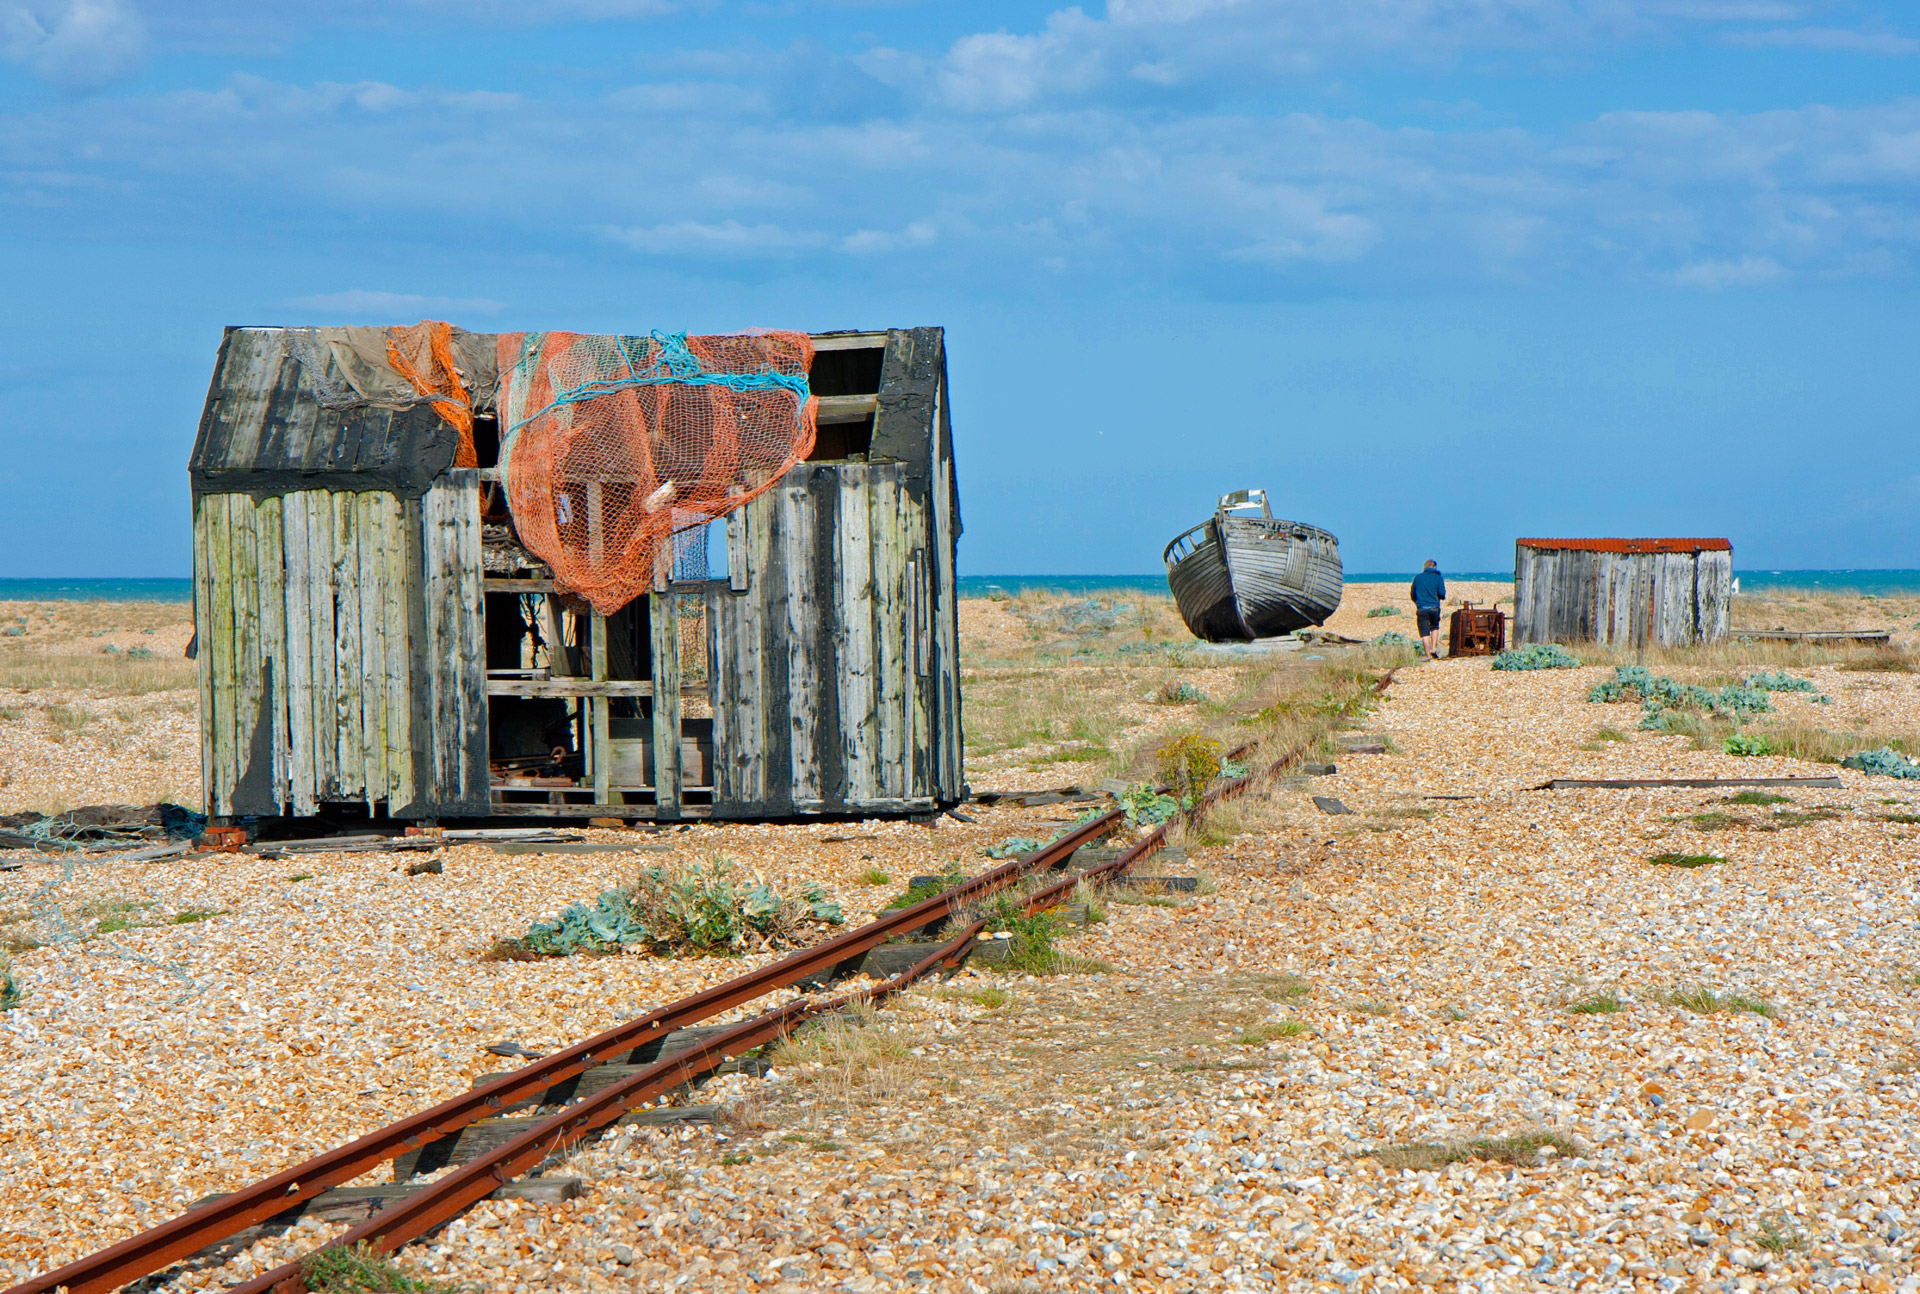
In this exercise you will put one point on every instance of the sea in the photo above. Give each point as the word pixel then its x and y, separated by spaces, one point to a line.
pixel 1879 583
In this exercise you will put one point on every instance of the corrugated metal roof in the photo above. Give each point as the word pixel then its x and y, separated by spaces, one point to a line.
pixel 1632 545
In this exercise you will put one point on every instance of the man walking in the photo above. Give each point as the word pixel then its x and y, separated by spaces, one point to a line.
pixel 1429 593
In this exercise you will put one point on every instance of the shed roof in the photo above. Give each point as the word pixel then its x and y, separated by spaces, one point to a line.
pixel 1632 545
pixel 269 426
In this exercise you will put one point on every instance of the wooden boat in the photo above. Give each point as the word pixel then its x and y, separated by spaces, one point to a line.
pixel 1243 576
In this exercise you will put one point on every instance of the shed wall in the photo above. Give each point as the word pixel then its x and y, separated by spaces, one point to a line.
pixel 831 689
pixel 340 650
pixel 1624 598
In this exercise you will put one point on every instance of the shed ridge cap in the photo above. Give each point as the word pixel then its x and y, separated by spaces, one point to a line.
pixel 1623 545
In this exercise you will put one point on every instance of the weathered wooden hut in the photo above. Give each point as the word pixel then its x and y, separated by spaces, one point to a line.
pixel 1629 592
pixel 371 634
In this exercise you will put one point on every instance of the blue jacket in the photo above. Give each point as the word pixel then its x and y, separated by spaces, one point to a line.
pixel 1429 590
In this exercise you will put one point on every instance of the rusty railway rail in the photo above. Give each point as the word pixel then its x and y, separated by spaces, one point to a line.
pixel 437 1202
pixel 217 1220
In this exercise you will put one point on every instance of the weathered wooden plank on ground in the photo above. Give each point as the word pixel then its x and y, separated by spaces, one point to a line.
pixel 1639 783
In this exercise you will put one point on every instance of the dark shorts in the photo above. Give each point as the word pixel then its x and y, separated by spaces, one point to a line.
pixel 1429 619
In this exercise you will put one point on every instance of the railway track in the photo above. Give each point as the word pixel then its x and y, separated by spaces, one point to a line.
pixel 429 1205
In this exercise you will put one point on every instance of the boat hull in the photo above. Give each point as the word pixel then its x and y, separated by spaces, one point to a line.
pixel 1241 578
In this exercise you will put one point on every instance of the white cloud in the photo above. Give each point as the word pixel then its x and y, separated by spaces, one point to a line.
pixel 77 45
pixel 389 307
pixel 534 12
pixel 877 241
pixel 1746 272
pixel 1843 40
pixel 726 238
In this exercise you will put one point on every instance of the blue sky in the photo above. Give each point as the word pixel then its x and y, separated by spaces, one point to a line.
pixel 1436 273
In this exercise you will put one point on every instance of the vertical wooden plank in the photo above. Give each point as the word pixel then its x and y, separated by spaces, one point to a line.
pixel 325 736
pixel 451 678
pixel 853 617
pixel 203 585
pixel 737 523
pixel 893 665
pixel 269 532
pixel 396 581
pixel 433 594
pixel 600 741
pixel 663 612
pixel 796 535
pixel 297 683
pixel 722 626
pixel 349 679
pixel 469 591
pixel 947 727
pixel 221 647
pixel 1522 590
pixel 373 649
pixel 1716 594
pixel 243 516
pixel 742 707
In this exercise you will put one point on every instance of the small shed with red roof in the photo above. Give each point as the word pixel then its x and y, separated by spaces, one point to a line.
pixel 1627 592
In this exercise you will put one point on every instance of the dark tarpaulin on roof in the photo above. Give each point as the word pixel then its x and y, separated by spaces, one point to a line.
pixel 316 409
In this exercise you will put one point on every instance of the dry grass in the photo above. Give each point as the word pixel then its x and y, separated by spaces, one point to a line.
pixel 1803 740
pixel 1704 999
pixel 1127 684
pixel 858 1055
pixel 65 645
pixel 1522 1149
pixel 1811 609
pixel 109 675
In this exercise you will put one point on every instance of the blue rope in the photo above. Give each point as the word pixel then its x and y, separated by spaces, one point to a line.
pixel 663 359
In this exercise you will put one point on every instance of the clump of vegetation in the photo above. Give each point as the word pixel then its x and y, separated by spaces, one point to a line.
pixel 1685 860
pixel 1536 656
pixel 1742 743
pixel 1012 845
pixel 1757 797
pixel 1259 1035
pixel 10 992
pixel 1523 1150
pixel 1030 940
pixel 925 887
pixel 363 1270
pixel 874 876
pixel 1882 662
pixel 1776 681
pixel 1181 693
pixel 1143 804
pixel 1712 821
pixel 1884 762
pixel 1668 704
pixel 1778 1236
pixel 1393 638
pixel 1188 764
pixel 856 1053
pixel 1383 611
pixel 1705 1000
pixel 1596 1004
pixel 700 908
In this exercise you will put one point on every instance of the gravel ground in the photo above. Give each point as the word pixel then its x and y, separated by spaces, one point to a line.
pixel 1242 1102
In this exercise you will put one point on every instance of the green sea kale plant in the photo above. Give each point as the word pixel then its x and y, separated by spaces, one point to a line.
pixel 1536 656
pixel 701 908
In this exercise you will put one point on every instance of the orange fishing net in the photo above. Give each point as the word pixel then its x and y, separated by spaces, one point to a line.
pixel 423 354
pixel 609 445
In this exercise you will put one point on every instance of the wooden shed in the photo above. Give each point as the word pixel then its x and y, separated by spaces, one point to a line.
pixel 371 633
pixel 1629 592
